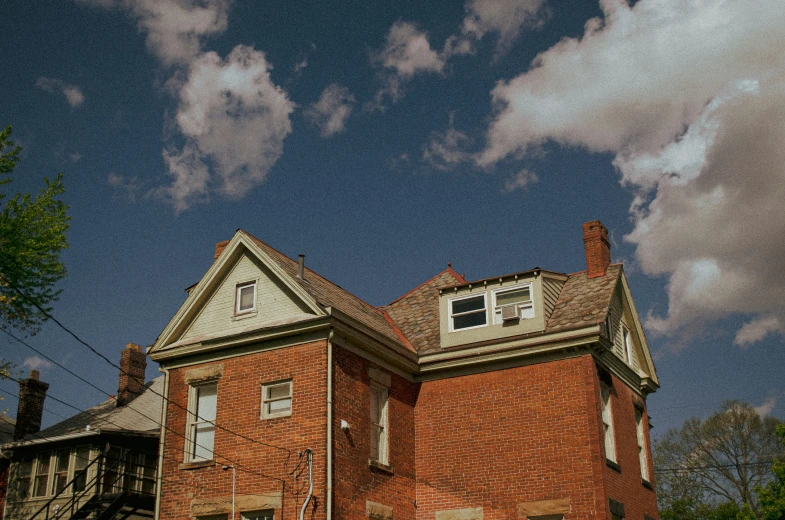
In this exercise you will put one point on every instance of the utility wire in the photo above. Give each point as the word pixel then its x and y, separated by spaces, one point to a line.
pixel 97 353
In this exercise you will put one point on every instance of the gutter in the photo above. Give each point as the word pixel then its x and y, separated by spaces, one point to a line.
pixel 67 436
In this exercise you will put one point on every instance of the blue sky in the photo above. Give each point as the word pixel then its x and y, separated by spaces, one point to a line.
pixel 385 139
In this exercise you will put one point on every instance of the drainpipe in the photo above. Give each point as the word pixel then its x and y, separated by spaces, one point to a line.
pixel 160 469
pixel 329 500
pixel 309 460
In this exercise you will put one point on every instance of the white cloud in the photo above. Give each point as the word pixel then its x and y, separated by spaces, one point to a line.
pixel 767 407
pixel 757 329
pixel 175 28
pixel 73 94
pixel 688 96
pixel 446 150
pixel 234 119
pixel 128 187
pixel 331 111
pixel 521 180
pixel 36 363
pixel 505 17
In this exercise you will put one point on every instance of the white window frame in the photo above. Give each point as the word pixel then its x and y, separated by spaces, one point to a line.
pixel 238 289
pixel 37 474
pixel 450 302
pixel 249 515
pixel 69 470
pixel 193 421
pixel 265 386
pixel 497 310
pixel 643 455
pixel 626 339
pixel 607 422
pixel 379 426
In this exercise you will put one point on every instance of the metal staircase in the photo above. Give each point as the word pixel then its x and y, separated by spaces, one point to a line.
pixel 108 495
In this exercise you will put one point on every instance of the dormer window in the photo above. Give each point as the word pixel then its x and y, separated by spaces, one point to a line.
pixel 246 298
pixel 468 312
pixel 515 302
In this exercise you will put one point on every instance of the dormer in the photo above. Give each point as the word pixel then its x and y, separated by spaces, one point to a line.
pixel 498 307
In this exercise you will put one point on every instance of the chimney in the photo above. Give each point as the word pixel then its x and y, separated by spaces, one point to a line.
pixel 598 249
pixel 301 268
pixel 133 362
pixel 219 248
pixel 32 393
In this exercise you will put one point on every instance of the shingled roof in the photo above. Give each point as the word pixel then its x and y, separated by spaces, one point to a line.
pixel 583 301
pixel 141 416
pixel 328 294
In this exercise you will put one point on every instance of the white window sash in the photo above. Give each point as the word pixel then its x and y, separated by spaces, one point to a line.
pixel 454 315
pixel 607 421
pixel 525 305
pixel 643 456
pixel 267 401
pixel 201 430
pixel 238 298
pixel 379 430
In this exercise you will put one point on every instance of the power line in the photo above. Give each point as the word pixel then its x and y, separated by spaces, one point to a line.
pixel 97 353
pixel 45 409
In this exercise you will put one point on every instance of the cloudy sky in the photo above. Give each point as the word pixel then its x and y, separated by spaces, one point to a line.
pixel 385 139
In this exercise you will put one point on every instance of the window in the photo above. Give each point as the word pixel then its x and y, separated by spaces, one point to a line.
pixel 24 473
pixel 41 483
pixel 520 296
pixel 267 514
pixel 642 452
pixel 141 472
pixel 627 339
pixel 246 298
pixel 276 400
pixel 81 462
pixel 607 422
pixel 468 312
pixel 379 424
pixel 61 469
pixel 201 419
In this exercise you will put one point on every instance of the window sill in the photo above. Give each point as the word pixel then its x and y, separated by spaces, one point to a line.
pixel 647 484
pixel 614 466
pixel 197 464
pixel 244 315
pixel 278 416
pixel 381 468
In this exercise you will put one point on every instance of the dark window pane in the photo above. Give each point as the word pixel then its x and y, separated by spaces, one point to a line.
pixel 514 296
pixel 469 304
pixel 469 320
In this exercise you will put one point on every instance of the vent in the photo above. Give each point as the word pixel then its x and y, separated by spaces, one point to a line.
pixel 511 312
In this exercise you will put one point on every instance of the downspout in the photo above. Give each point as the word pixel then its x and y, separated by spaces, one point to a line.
pixel 308 460
pixel 160 470
pixel 329 498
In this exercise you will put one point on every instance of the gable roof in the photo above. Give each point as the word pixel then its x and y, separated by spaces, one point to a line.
pixel 139 416
pixel 7 427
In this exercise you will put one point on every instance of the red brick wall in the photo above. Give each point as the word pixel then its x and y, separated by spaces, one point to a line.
pixel 354 481
pixel 626 486
pixel 239 407
pixel 497 439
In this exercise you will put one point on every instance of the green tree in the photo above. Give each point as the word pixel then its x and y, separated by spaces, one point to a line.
pixel 709 469
pixel 32 236
pixel 772 495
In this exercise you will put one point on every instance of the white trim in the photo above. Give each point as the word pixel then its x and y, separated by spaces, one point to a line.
pixel 521 305
pixel 607 422
pixel 450 314
pixel 290 397
pixel 193 420
pixel 643 454
pixel 383 439
pixel 238 297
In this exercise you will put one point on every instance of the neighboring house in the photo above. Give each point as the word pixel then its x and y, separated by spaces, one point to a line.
pixel 520 396
pixel 100 463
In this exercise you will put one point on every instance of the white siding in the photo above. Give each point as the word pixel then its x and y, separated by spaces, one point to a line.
pixel 550 293
pixel 274 301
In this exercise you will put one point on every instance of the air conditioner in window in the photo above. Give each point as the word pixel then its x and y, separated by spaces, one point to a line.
pixel 511 312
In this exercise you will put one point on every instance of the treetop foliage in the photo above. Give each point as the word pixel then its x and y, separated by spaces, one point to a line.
pixel 32 236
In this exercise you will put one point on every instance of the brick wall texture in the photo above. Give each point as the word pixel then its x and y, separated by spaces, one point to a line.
pixel 507 441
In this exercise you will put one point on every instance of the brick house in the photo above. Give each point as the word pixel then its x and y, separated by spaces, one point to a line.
pixel 521 396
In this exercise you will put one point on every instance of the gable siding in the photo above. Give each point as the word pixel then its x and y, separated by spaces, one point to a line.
pixel 550 293
pixel 273 302
pixel 615 310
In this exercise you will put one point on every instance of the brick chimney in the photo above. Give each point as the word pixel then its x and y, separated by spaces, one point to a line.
pixel 219 248
pixel 133 363
pixel 598 249
pixel 32 393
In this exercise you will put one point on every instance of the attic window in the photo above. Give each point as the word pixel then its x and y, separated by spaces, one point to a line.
pixel 468 312
pixel 246 298
pixel 520 297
